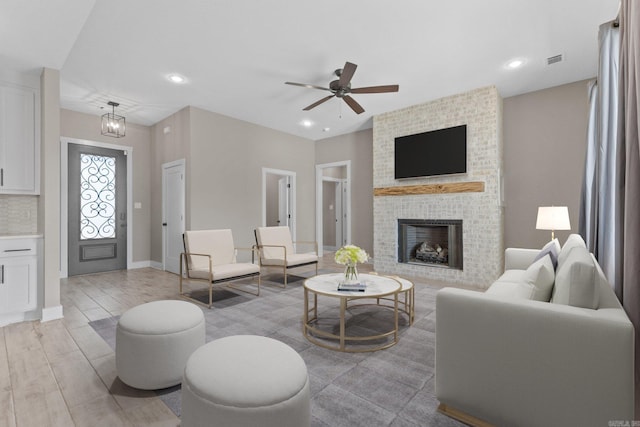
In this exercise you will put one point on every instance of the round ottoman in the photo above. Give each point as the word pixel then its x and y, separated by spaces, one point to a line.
pixel 154 341
pixel 245 380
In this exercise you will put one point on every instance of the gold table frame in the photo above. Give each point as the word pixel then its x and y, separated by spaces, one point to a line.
pixel 391 290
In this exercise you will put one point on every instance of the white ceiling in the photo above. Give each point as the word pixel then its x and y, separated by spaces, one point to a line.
pixel 236 55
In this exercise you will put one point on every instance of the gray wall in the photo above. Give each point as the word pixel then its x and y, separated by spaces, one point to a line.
pixel 224 159
pixel 544 152
pixel 357 147
pixel 86 126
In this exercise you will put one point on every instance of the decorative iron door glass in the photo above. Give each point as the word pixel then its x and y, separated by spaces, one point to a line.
pixel 97 210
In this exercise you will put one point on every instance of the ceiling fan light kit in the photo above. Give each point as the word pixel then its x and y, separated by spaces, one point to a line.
pixel 341 88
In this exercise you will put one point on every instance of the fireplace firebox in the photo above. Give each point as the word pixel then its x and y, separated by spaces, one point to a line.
pixel 430 242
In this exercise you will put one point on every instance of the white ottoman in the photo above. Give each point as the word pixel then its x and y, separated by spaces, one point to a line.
pixel 154 341
pixel 245 381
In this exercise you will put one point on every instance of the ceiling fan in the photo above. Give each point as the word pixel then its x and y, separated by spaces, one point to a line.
pixel 341 88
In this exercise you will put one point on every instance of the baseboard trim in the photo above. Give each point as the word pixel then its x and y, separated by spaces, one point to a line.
pixel 51 313
pixel 463 417
pixel 139 264
pixel 156 265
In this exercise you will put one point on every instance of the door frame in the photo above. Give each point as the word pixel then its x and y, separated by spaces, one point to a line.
pixel 64 197
pixel 165 166
pixel 319 179
pixel 280 172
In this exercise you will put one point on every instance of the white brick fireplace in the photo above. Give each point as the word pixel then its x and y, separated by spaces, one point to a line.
pixel 480 210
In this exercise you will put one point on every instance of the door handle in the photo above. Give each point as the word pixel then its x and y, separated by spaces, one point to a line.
pixel 1 177
pixel 164 224
pixel 2 278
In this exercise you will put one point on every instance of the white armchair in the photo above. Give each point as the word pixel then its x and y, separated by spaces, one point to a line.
pixel 210 256
pixel 275 247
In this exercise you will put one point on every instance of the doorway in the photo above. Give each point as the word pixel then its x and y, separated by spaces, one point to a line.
pixel 279 199
pixel 97 209
pixel 333 205
pixel 65 142
pixel 173 214
pixel 334 195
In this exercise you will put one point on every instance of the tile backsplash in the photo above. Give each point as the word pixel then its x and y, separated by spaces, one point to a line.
pixel 18 214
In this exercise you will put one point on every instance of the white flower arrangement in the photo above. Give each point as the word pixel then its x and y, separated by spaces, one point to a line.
pixel 350 254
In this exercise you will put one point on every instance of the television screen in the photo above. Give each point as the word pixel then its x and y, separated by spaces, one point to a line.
pixel 439 152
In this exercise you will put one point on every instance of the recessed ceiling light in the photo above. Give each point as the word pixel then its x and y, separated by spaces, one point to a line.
pixel 306 123
pixel 176 78
pixel 515 63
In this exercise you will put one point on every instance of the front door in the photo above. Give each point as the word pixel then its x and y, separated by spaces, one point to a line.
pixel 97 207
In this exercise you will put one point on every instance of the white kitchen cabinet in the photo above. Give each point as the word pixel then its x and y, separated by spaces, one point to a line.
pixel 19 142
pixel 18 284
pixel 18 279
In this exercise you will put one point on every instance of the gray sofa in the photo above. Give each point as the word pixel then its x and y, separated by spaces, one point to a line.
pixel 507 359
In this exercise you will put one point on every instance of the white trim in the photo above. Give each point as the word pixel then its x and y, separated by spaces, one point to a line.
pixel 140 264
pixel 51 313
pixel 319 179
pixel 64 197
pixel 182 163
pixel 280 172
pixel 156 265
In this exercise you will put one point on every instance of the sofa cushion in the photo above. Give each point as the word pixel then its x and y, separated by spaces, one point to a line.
pixel 574 240
pixel 577 280
pixel 535 283
pixel 552 249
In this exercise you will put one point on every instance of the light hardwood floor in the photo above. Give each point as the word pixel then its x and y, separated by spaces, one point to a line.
pixel 62 373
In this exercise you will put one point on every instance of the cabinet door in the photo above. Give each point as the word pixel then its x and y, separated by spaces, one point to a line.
pixel 18 284
pixel 18 150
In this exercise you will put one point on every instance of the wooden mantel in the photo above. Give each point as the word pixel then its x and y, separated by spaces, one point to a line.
pixel 443 188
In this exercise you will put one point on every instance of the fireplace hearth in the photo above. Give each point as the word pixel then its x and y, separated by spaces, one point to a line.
pixel 430 242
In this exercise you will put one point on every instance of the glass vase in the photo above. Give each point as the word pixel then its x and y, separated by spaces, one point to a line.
pixel 351 272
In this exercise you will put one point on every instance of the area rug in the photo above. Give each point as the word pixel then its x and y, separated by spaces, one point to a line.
pixel 392 387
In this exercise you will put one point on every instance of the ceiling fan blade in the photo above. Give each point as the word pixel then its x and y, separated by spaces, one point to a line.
pixel 347 73
pixel 376 89
pixel 353 104
pixel 307 86
pixel 315 104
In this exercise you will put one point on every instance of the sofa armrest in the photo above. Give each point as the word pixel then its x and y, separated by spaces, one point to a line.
pixel 532 363
pixel 519 258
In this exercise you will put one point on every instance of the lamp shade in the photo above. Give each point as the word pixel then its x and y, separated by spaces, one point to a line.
pixel 553 218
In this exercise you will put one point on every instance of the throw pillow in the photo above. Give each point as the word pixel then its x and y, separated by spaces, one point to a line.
pixel 552 249
pixel 539 276
pixel 535 283
pixel 577 280
pixel 574 240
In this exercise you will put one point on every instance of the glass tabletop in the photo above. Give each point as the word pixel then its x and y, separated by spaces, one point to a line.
pixel 377 286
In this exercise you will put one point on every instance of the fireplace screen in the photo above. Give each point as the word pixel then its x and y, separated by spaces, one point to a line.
pixel 430 242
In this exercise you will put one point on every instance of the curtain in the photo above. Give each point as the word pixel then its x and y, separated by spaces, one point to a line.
pixel 628 125
pixel 610 208
pixel 602 201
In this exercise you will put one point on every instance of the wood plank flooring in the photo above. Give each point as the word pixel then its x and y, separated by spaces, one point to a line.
pixel 62 373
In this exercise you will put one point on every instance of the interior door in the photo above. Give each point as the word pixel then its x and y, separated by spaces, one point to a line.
pixel 173 223
pixel 284 190
pixel 339 215
pixel 97 210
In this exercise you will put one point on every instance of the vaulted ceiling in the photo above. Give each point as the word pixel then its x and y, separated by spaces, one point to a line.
pixel 236 55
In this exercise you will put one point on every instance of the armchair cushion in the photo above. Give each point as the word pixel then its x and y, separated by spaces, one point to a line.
pixel 292 259
pixel 221 272
pixel 216 243
pixel 275 236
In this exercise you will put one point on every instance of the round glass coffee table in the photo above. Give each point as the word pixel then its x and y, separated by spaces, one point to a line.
pixel 327 285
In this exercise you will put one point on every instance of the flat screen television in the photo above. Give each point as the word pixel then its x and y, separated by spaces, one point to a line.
pixel 438 152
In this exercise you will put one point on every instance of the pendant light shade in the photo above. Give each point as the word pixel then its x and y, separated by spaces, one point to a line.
pixel 112 124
